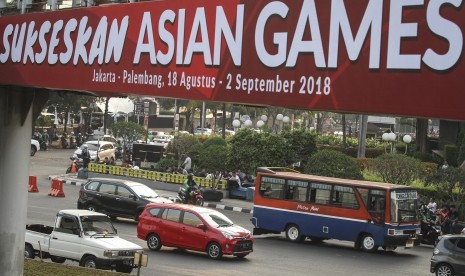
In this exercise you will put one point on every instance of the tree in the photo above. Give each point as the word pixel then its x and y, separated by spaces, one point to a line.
pixel 250 150
pixel 450 184
pixel 302 144
pixel 184 144
pixel 68 102
pixel 129 131
pixel 333 164
pixel 213 157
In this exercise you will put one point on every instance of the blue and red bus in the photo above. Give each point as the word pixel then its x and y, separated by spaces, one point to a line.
pixel 370 214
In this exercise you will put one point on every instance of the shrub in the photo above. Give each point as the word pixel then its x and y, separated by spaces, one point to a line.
pixel 213 158
pixel 422 156
pixel 302 144
pixel 451 154
pixel 363 163
pixel 167 162
pixel 334 164
pixel 215 140
pixel 396 168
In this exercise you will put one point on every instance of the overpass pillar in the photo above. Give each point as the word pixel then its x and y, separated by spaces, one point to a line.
pixel 15 135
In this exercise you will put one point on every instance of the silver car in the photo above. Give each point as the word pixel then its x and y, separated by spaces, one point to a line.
pixel 449 256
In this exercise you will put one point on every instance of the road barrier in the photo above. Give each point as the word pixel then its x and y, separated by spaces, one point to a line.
pixel 154 175
pixel 33 184
pixel 57 188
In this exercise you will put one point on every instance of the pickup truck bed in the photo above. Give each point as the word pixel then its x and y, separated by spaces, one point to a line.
pixel 44 229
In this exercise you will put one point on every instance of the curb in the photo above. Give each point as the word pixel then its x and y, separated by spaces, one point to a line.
pixel 218 206
pixel 174 199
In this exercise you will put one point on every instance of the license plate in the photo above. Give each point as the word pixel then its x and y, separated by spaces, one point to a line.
pixel 409 243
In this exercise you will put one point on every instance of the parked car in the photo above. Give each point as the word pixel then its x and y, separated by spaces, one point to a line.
pixel 162 139
pixel 103 148
pixel 117 197
pixel 98 137
pixel 203 131
pixel 83 236
pixel 193 227
pixel 227 132
pixel 35 146
pixel 449 256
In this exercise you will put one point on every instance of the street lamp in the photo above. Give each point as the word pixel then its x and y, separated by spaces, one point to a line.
pixel 248 123
pixel 260 123
pixel 390 138
pixel 264 118
pixel 279 117
pixel 236 123
pixel 407 139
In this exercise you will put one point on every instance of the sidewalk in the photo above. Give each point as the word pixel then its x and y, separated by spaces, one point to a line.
pixel 167 190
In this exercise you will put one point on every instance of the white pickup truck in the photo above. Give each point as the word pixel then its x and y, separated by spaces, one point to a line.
pixel 83 236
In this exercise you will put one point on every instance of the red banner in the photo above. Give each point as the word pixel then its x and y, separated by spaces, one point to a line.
pixel 363 56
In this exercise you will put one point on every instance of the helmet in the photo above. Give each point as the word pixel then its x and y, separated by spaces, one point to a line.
pixel 190 176
pixel 85 146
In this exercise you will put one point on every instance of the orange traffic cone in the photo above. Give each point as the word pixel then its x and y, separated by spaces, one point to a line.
pixel 73 168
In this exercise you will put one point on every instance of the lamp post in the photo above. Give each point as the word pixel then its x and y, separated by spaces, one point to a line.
pixel 407 139
pixel 236 123
pixel 279 117
pixel 390 138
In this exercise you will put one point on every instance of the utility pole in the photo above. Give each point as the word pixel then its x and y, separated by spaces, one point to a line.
pixel 362 136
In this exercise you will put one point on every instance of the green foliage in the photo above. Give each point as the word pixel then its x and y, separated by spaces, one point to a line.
pixel 351 141
pixel 185 144
pixel 302 144
pixel 213 157
pixel 167 162
pixel 214 140
pixel 451 154
pixel 368 175
pixel 450 183
pixel 333 163
pixel 129 131
pixel 396 168
pixel 43 121
pixel 352 152
pixel 250 150
pixel 422 156
pixel 461 154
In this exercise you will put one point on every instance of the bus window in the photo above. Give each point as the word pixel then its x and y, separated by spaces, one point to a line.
pixel 273 186
pixel 319 193
pixel 344 197
pixel 296 190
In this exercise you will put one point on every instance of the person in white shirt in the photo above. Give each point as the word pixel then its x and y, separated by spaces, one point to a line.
pixel 187 163
pixel 432 205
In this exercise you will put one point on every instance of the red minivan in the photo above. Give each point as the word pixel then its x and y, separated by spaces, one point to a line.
pixel 193 227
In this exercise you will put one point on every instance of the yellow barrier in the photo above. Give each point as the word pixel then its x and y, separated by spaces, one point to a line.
pixel 154 176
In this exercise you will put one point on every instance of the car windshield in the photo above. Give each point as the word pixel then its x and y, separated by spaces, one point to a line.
pixel 404 206
pixel 97 225
pixel 217 219
pixel 90 147
pixel 144 191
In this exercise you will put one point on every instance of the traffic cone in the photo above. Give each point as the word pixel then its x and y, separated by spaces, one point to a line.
pixel 73 168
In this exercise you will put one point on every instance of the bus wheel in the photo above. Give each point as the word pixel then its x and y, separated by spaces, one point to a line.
pixel 368 243
pixel 293 233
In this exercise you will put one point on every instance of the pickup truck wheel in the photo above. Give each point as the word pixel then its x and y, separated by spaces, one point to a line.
pixel 29 252
pixel 91 208
pixel 33 150
pixel 58 260
pixel 124 269
pixel 89 262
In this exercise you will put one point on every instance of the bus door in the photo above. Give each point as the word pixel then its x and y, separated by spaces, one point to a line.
pixel 375 203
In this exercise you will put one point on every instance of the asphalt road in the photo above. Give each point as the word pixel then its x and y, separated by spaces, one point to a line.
pixel 273 255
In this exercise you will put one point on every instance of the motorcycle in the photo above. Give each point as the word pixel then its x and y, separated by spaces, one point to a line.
pixel 79 140
pixel 430 231
pixel 195 199
pixel 72 142
pixel 76 163
pixel 64 143
pixel 43 144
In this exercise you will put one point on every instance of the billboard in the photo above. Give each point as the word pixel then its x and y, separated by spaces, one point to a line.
pixel 363 56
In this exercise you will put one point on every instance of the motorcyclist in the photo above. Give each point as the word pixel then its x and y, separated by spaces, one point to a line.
pixel 85 156
pixel 189 184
